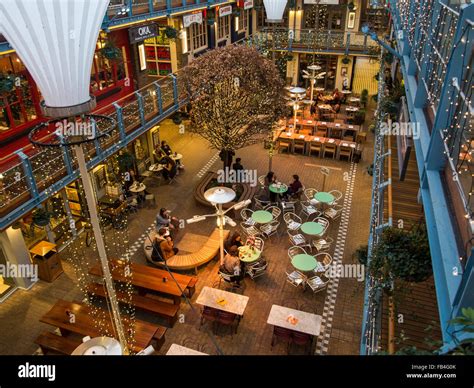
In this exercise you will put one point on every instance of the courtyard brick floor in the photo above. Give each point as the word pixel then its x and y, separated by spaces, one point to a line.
pixel 341 304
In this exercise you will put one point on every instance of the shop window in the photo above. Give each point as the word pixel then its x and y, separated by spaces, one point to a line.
pixel 158 55
pixel 197 36
pixel 243 20
pixel 223 27
pixel 16 97
pixel 106 71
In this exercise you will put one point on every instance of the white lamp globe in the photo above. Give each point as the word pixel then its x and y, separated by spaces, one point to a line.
pixel 274 10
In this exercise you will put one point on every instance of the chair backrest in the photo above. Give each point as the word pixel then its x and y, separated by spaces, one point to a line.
pixel 323 258
pixel 337 195
pixel 321 220
pixel 288 217
pixel 246 213
pixel 309 193
pixel 259 243
pixel 261 203
pixel 261 180
pixel 331 147
pixel 209 311
pixel 336 133
pixel 300 338
pixel 225 317
pixel 296 250
pixel 282 333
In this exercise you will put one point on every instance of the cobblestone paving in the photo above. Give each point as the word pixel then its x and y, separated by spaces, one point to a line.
pixel 20 314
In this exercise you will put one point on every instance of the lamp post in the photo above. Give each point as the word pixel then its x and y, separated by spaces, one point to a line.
pixel 312 77
pixel 60 62
pixel 296 95
pixel 218 196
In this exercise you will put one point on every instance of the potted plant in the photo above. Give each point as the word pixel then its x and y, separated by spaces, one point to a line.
pixel 170 32
pixel 346 60
pixel 364 97
pixel 361 254
pixel 41 217
pixel 211 17
pixel 177 118
pixel 111 51
pixel 359 117
pixel 388 58
pixel 7 83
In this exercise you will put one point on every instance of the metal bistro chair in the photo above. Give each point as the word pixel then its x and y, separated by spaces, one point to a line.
pixel 275 210
pixel 293 222
pixel 261 181
pixel 308 209
pixel 325 260
pixel 260 204
pixel 246 215
pixel 334 212
pixel 310 193
pixel 288 206
pixel 317 283
pixel 258 269
pixel 337 196
pixel 298 239
pixel 249 230
pixel 296 279
pixel 323 244
pixel 296 250
pixel 270 229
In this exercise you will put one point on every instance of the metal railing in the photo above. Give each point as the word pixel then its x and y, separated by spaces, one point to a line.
pixel 372 315
pixel 287 39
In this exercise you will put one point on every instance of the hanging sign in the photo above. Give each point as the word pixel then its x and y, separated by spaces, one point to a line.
pixel 248 4
pixel 325 171
pixel 193 18
pixel 139 34
pixel 224 11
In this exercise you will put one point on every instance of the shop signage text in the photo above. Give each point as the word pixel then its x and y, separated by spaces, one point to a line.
pixel 139 34
pixel 193 18
pixel 224 11
pixel 248 4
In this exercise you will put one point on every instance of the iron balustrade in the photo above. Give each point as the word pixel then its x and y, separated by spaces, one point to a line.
pixel 311 40
pixel 372 314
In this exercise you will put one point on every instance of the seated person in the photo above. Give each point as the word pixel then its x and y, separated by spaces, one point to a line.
pixel 166 148
pixel 234 240
pixel 156 253
pixel 237 165
pixel 294 187
pixel 166 244
pixel 337 96
pixel 269 179
pixel 164 220
pixel 170 169
pixel 232 261
pixel 336 108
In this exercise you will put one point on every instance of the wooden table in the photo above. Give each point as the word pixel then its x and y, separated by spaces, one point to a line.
pixel 328 124
pixel 84 323
pixel 307 323
pixel 233 303
pixel 178 350
pixel 147 278
pixel 323 140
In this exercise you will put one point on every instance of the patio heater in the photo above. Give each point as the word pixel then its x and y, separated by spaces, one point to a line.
pixel 56 40
pixel 274 10
pixel 219 196
pixel 312 78
pixel 296 96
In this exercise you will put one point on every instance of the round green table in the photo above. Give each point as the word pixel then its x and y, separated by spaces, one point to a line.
pixel 278 189
pixel 249 255
pixel 304 263
pixel 262 217
pixel 312 228
pixel 324 197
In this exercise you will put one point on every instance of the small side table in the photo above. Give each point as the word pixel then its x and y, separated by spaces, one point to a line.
pixel 45 256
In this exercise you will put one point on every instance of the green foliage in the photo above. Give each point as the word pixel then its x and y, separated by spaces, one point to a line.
pixel 111 51
pixel 388 57
pixel 170 32
pixel 7 83
pixel 397 93
pixel 401 255
pixel 364 97
pixel 359 117
pixel 361 254
pixel 125 161
pixel 41 217
pixel 389 107
pixel 466 324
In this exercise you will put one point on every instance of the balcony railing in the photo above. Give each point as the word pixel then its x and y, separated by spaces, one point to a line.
pixel 371 324
pixel 308 40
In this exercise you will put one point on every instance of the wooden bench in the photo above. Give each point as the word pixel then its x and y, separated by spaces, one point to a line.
pixel 51 343
pixel 159 337
pixel 165 310
pixel 191 260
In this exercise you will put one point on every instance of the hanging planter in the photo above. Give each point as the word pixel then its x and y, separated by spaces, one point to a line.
pixel 110 51
pixel 41 217
pixel 171 32
pixel 351 6
pixel 7 83
pixel 346 60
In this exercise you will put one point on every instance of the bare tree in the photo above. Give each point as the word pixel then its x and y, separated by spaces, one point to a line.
pixel 236 96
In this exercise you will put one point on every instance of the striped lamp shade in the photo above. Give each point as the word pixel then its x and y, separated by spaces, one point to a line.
pixel 274 10
pixel 56 40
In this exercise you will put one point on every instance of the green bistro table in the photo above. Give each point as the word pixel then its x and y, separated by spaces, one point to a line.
pixel 249 255
pixel 262 217
pixel 278 189
pixel 304 263
pixel 324 197
pixel 312 228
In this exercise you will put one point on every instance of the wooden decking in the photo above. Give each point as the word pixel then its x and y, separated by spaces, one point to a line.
pixel 415 305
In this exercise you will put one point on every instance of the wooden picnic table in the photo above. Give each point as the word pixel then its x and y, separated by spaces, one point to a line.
pixel 329 124
pixel 147 278
pixel 84 324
